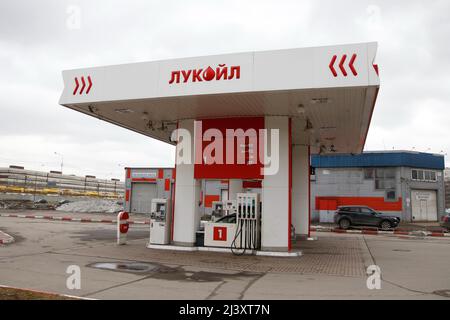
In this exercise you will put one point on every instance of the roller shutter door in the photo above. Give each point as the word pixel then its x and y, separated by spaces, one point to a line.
pixel 141 197
pixel 424 205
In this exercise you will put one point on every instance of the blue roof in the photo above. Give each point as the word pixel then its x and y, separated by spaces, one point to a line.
pixel 380 159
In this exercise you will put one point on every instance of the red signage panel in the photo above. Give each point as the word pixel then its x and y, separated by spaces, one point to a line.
pixel 239 143
pixel 220 234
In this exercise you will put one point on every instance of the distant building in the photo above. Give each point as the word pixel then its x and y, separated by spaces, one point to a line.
pixel 142 185
pixel 447 187
pixel 447 174
pixel 403 183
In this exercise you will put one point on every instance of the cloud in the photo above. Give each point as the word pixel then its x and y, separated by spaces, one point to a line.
pixel 36 44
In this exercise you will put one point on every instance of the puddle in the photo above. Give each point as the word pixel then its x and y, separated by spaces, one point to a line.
pixel 135 267
pixel 17 237
pixel 159 271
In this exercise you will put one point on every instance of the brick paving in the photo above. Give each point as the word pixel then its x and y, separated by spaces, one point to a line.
pixel 329 256
pixel 341 256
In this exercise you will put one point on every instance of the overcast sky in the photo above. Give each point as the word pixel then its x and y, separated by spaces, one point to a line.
pixel 38 39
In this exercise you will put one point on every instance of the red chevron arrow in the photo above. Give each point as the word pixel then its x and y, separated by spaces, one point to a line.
pixel 90 85
pixel 352 61
pixel 76 87
pixel 83 82
pixel 331 65
pixel 351 65
pixel 375 66
pixel 84 85
pixel 341 65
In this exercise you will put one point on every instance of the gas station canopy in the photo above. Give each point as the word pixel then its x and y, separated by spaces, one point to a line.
pixel 329 92
pixel 319 100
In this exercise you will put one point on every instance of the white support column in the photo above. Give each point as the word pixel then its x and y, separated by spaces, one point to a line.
pixel 300 189
pixel 275 192
pixel 187 196
pixel 235 187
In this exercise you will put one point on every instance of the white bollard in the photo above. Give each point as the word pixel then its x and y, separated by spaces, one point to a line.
pixel 122 227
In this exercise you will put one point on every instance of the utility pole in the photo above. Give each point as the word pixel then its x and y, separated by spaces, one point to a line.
pixel 62 160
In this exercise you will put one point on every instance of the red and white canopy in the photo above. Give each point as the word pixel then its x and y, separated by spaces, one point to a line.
pixel 329 92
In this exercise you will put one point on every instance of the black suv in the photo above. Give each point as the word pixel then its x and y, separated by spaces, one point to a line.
pixel 347 216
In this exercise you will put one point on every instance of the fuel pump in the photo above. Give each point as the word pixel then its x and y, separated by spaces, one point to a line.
pixel 160 221
pixel 229 206
pixel 248 217
pixel 217 210
pixel 221 234
pixel 223 208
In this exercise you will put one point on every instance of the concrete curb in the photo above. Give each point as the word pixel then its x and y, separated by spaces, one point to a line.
pixel 378 232
pixel 224 250
pixel 46 217
pixel 6 238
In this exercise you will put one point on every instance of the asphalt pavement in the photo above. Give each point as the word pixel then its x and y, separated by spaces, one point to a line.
pixel 332 267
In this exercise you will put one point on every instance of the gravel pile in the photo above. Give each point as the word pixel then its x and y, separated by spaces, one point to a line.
pixel 95 205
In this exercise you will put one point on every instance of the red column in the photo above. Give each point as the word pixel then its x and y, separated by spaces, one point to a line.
pixel 290 185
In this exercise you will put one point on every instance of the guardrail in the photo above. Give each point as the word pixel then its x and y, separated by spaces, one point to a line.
pixel 61 192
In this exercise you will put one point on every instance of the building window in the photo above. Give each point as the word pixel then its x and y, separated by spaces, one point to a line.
pixel 384 178
pixel 423 175
pixel 379 173
pixel 420 175
pixel 389 183
pixel 379 184
pixel 391 195
pixel 368 173
pixel 389 173
pixel 433 176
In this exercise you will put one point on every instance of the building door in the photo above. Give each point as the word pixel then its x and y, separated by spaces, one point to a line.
pixel 141 197
pixel 424 205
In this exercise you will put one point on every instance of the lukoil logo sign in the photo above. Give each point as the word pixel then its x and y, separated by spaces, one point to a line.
pixel 221 72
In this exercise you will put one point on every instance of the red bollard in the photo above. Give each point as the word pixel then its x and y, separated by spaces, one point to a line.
pixel 122 227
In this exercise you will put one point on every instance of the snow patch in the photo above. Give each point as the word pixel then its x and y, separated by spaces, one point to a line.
pixel 97 205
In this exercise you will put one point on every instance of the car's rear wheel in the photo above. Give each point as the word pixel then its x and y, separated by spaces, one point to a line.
pixel 344 224
pixel 385 225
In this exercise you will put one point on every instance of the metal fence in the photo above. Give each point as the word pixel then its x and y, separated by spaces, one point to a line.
pixel 19 180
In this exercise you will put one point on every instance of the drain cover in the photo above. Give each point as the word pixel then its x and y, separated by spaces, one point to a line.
pixel 138 267
pixel 402 250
